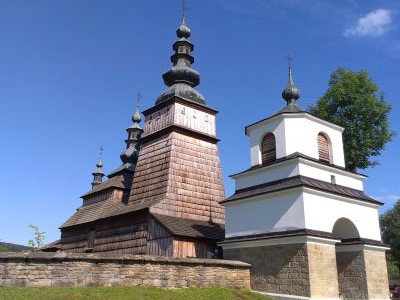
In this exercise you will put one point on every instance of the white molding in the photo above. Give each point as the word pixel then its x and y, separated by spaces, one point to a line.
pixel 263 196
pixel 292 115
pixel 329 168
pixel 261 169
pixel 272 241
pixel 334 196
pixel 361 247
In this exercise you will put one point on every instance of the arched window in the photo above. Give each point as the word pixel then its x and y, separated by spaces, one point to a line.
pixel 268 149
pixel 323 148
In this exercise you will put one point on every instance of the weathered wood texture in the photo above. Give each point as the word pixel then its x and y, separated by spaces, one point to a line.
pixel 323 148
pixel 160 241
pixel 192 248
pixel 180 176
pixel 182 115
pixel 125 234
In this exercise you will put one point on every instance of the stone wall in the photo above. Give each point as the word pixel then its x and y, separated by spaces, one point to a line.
pixel 351 275
pixel 377 278
pixel 280 269
pixel 88 269
pixel 323 271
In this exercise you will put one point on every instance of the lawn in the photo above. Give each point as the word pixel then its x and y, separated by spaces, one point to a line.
pixel 125 293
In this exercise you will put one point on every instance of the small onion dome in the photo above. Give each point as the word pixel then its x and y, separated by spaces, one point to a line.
pixel 290 93
pixel 99 165
pixel 136 118
pixel 183 31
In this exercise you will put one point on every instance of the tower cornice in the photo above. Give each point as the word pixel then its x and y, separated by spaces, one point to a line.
pixel 181 101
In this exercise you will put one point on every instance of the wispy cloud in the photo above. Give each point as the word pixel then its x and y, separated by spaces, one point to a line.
pixel 375 23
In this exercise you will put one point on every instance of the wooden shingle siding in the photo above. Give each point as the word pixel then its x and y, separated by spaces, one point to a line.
pixel 323 148
pixel 268 149
pixel 181 176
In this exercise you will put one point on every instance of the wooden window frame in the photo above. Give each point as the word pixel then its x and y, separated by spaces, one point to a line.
pixel 268 149
pixel 324 151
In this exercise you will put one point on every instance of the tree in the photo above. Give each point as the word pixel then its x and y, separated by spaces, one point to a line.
pixel 38 240
pixel 354 102
pixel 390 229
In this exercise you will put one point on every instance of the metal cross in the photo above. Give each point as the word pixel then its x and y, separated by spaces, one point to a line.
pixel 289 59
pixel 183 2
pixel 139 98
pixel 101 150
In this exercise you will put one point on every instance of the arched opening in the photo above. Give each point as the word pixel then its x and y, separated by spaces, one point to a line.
pixel 323 148
pixel 345 229
pixel 268 148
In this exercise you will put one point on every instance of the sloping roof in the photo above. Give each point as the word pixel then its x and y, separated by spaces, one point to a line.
pixel 297 181
pixel 191 228
pixel 121 181
pixel 94 211
pixel 293 156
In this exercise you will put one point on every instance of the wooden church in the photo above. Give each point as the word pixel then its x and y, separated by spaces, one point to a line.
pixel 299 217
pixel 164 198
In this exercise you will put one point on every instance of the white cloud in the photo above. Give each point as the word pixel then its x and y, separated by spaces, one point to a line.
pixel 375 23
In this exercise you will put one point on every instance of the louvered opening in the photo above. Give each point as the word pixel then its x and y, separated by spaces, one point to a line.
pixel 268 149
pixel 323 148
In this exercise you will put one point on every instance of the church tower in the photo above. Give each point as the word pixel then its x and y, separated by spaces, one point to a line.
pixel 178 172
pixel 299 217
pixel 164 198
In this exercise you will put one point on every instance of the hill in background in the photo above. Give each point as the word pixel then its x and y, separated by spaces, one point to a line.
pixel 4 247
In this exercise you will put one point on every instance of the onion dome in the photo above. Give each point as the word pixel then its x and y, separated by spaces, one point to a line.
pixel 183 31
pixel 98 173
pixel 130 154
pixel 290 93
pixel 181 78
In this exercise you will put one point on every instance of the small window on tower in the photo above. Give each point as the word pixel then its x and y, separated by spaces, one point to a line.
pixel 182 49
pixel 268 149
pixel 323 148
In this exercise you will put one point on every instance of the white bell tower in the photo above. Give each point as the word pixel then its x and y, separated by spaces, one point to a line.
pixel 299 217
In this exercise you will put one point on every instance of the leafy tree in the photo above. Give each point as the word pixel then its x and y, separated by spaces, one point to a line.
pixel 354 102
pixel 38 240
pixel 390 229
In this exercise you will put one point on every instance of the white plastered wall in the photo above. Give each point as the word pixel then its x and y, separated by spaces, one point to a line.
pixel 296 133
pixel 322 210
pixel 273 211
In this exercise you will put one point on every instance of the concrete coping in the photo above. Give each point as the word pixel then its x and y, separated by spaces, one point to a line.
pixel 120 258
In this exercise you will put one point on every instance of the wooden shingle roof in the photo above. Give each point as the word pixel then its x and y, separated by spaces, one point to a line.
pixel 94 211
pixel 191 228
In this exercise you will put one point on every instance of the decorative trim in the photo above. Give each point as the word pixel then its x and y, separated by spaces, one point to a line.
pixel 361 247
pixel 305 114
pixel 299 236
pixel 180 129
pixel 181 101
pixel 301 158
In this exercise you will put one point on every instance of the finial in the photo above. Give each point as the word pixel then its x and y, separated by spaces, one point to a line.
pixel 183 2
pixel 290 93
pixel 289 59
pixel 136 118
pixel 183 30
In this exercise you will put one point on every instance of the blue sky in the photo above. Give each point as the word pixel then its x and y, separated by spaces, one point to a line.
pixel 70 71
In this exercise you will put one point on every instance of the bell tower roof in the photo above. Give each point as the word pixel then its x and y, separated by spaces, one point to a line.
pixel 290 92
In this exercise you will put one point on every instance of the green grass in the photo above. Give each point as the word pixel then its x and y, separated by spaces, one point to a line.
pixel 125 293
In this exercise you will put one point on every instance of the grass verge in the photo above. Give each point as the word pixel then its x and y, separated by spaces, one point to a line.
pixel 125 293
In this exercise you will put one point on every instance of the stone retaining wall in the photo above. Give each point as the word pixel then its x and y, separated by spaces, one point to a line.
pixel 88 269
